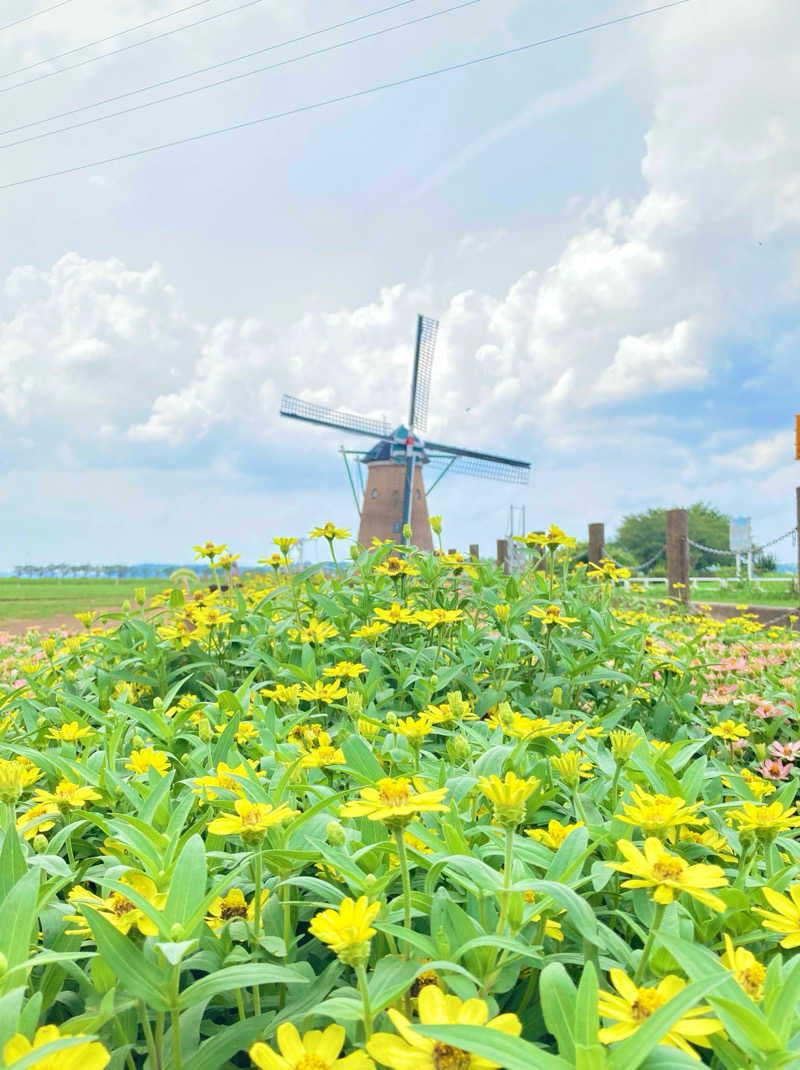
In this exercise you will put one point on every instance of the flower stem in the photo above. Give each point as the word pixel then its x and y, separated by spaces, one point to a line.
pixel 506 894
pixel 648 947
pixel 406 877
pixel 258 878
pixel 361 974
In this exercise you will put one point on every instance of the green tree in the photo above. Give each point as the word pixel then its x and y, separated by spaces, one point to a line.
pixel 643 534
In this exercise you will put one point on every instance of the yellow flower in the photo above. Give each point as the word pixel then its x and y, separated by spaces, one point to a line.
pixel 250 821
pixel 35 820
pixel 209 550
pixel 571 767
pixel 345 670
pixel 16 774
pixel 284 544
pixel 395 614
pixel 554 835
pixel 396 566
pixel 229 777
pixel 89 1056
pixel 231 906
pixel 66 797
pixel 414 729
pixel 284 694
pixel 502 611
pixel 508 797
pixel 731 731
pixel 68 733
pixel 316 631
pixel 321 757
pixel 764 821
pixel 315 1051
pixel 348 929
pixel 394 802
pixel 148 758
pixel 709 838
pixel 745 967
pixel 431 618
pixel 370 631
pixel 117 908
pixel 522 727
pixel 411 1051
pixel 655 815
pixel 623 744
pixel 667 875
pixel 330 532
pixel 633 1006
pixel 784 916
pixel 551 615
pixel 553 538
pixel 322 692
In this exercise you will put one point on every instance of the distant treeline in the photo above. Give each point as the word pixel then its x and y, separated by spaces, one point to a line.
pixel 63 570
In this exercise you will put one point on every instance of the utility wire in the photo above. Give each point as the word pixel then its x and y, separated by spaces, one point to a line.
pixel 34 15
pixel 212 67
pixel 244 74
pixel 344 97
pixel 124 48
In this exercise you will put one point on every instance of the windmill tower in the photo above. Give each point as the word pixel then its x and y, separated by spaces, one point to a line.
pixel 395 492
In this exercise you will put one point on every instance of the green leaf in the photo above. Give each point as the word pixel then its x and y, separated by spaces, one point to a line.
pixel 783 1012
pixel 219 1049
pixel 231 977
pixel 17 918
pixel 188 886
pixel 631 1053
pixel 12 862
pixel 361 760
pixel 558 998
pixel 135 973
pixel 587 1021
pixel 512 1052
pixel 44 1054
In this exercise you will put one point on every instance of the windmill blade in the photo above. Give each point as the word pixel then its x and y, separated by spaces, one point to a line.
pixel 483 465
pixel 421 377
pixel 297 409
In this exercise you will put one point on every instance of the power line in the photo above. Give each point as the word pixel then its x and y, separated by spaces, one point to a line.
pixel 211 67
pixel 244 74
pixel 124 48
pixel 345 97
pixel 34 15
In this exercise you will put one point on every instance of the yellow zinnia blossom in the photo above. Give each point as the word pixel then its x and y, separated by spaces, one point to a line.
pixel 67 796
pixel 316 631
pixel 655 815
pixel 411 1051
pixel 316 1050
pixel 250 821
pixel 16 774
pixel 667 875
pixel 394 802
pixel 571 767
pixel 345 670
pixel 508 796
pixel 633 1006
pixel 395 614
pixel 148 758
pixel 551 616
pixel 396 566
pixel 117 908
pixel 89 1056
pixel 68 733
pixel 347 930
pixel 731 731
pixel 322 692
pixel 321 757
pixel 210 550
pixel 329 531
pixel 432 618
pixel 784 916
pixel 745 967
pixel 229 777
pixel 554 835
pixel 231 906
pixel 763 820
pixel 283 694
pixel 522 727
pixel 370 631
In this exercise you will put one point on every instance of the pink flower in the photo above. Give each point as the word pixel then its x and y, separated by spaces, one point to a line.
pixel 786 751
pixel 773 769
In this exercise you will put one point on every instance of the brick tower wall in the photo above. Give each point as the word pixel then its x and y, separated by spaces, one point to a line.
pixel 382 511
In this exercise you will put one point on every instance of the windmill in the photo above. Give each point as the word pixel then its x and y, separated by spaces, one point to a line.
pixel 395 492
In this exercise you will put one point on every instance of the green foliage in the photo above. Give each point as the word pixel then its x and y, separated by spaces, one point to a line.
pixel 643 534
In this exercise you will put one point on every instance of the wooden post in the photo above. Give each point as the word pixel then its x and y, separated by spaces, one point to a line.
pixel 678 554
pixel 597 543
pixel 474 548
pixel 502 556
pixel 452 550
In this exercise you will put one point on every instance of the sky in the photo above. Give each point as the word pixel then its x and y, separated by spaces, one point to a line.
pixel 606 227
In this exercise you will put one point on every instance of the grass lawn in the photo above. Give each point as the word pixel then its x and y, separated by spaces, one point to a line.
pixel 39 598
pixel 739 592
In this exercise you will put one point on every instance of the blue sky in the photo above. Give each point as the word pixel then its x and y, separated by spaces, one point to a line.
pixel 606 227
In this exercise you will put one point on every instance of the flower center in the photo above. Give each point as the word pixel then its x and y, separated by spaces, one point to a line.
pixel 251 817
pixel 233 910
pixel 752 979
pixel 396 793
pixel 446 1057
pixel 122 905
pixel 668 868
pixel 647 1000
pixel 311 1062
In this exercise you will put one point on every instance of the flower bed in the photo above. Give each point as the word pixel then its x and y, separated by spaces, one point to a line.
pixel 411 814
